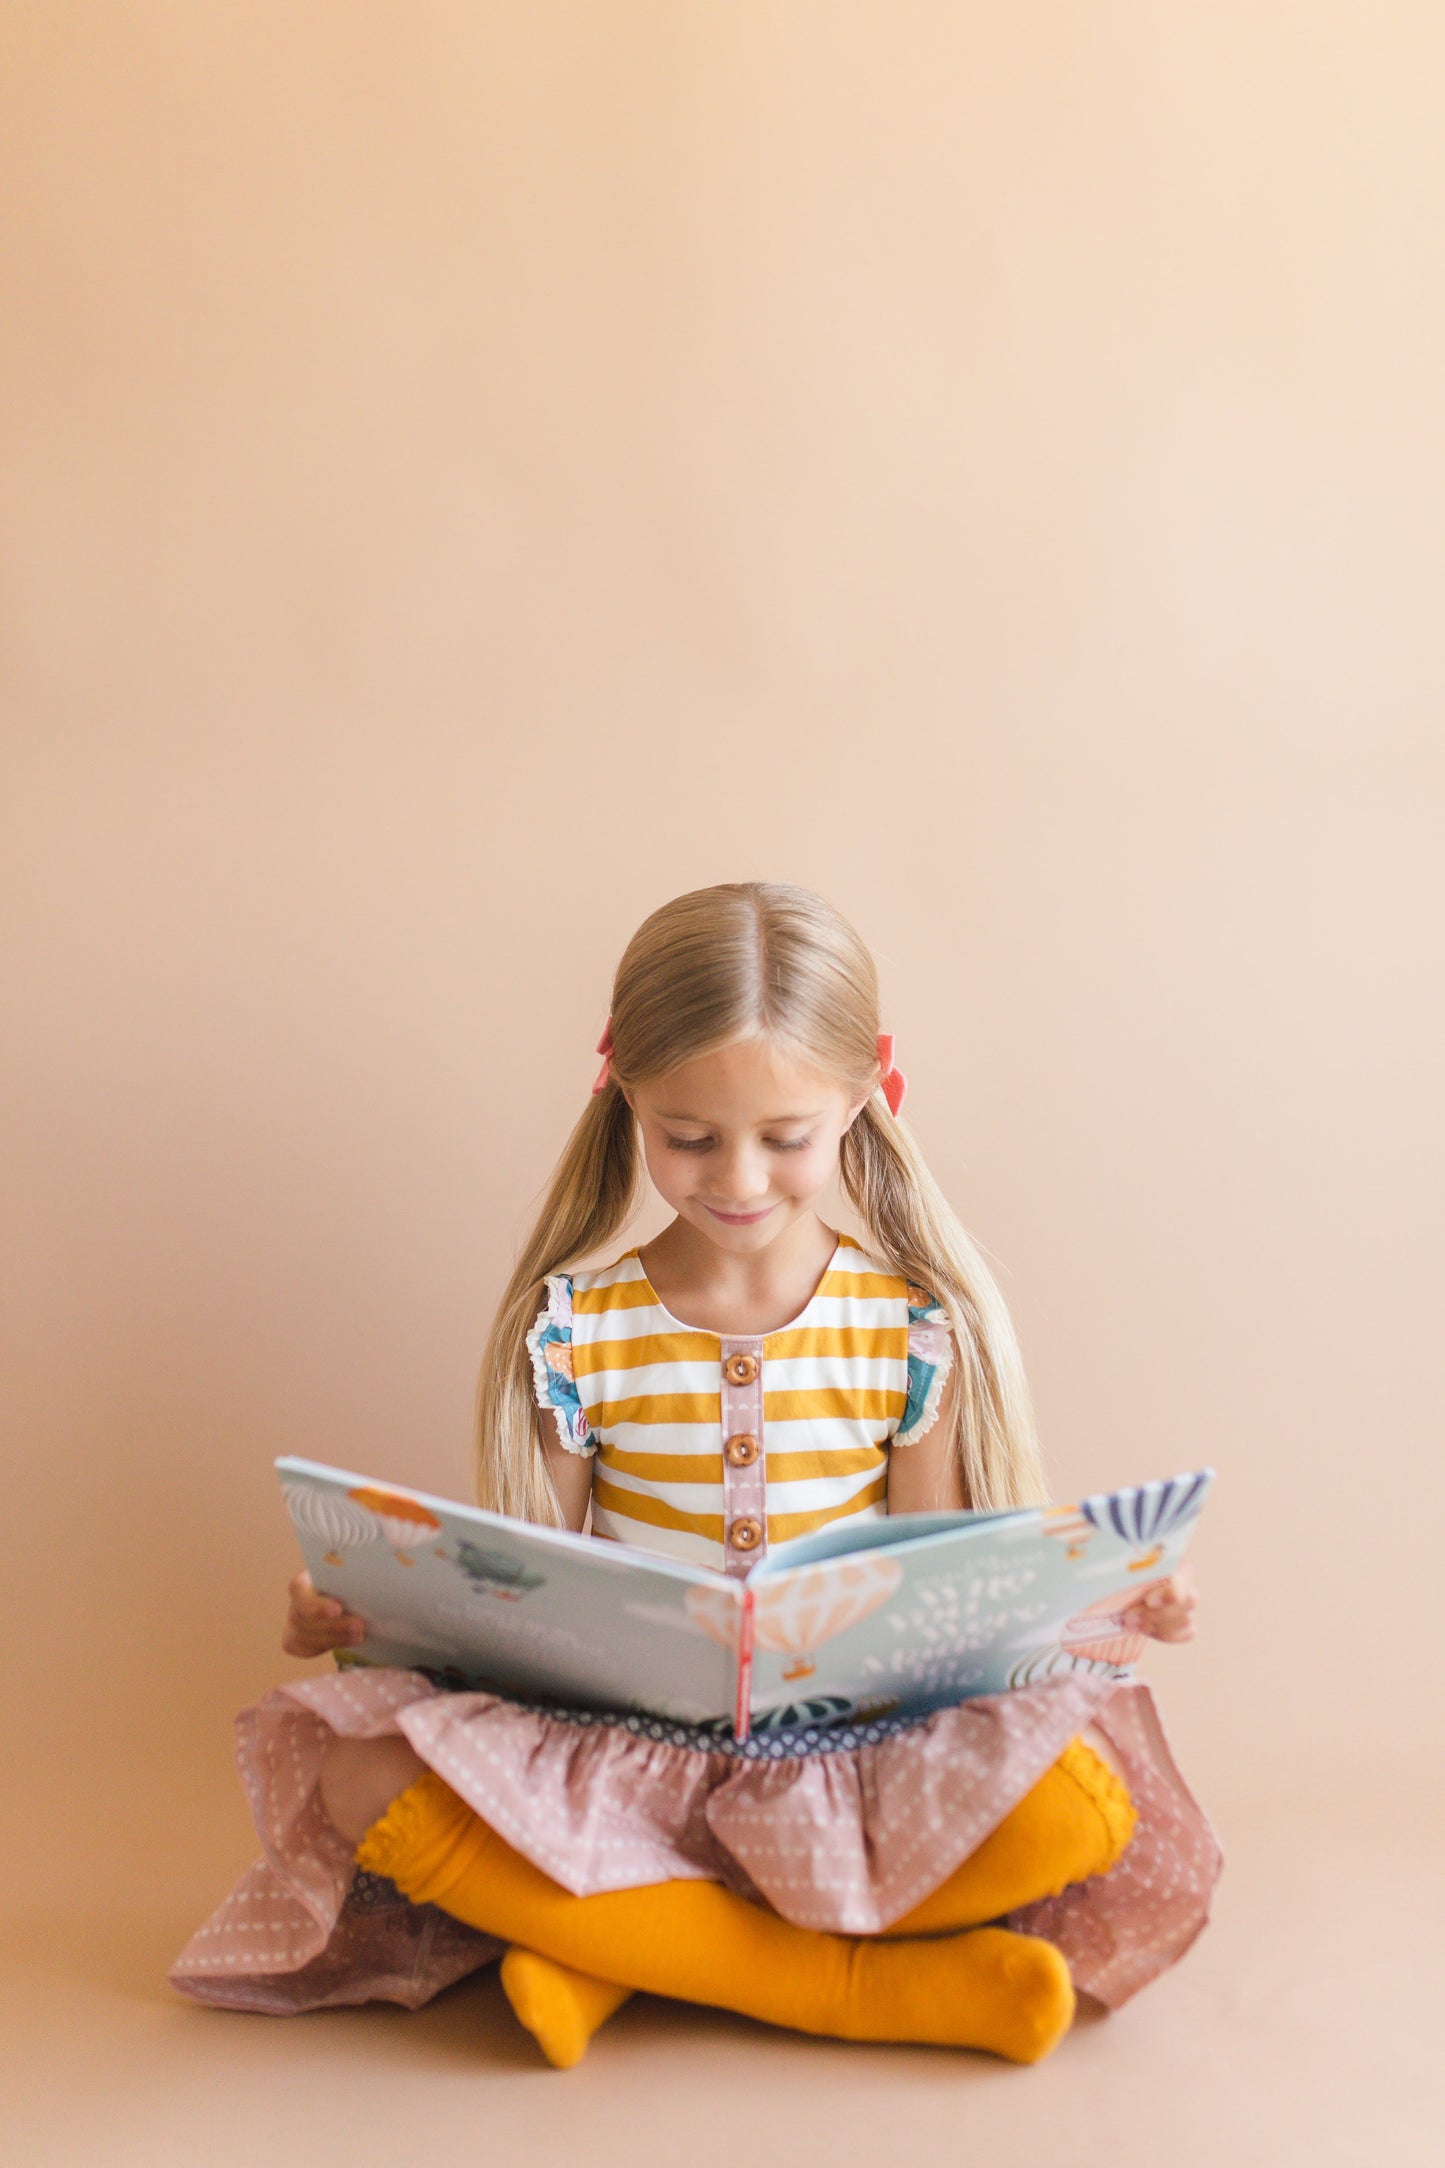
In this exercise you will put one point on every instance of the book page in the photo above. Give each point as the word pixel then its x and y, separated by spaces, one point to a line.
pixel 476 1599
pixel 930 1609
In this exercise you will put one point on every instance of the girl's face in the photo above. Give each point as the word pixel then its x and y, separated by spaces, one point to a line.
pixel 741 1141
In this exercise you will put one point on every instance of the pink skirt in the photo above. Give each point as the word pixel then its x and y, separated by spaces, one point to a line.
pixel 844 1827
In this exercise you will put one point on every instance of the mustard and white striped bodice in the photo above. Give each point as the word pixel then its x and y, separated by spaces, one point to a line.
pixel 711 1446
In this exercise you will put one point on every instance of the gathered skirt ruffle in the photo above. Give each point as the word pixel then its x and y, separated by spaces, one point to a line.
pixel 844 1828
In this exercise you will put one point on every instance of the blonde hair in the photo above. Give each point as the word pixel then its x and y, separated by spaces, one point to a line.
pixel 756 959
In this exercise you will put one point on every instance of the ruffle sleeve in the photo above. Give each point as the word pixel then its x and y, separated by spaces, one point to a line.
pixel 930 1358
pixel 550 1345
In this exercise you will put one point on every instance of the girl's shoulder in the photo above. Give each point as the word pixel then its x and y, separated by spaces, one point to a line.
pixel 596 1277
pixel 872 1275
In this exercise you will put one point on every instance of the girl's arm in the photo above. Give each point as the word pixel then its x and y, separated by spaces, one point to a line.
pixel 926 1478
pixel 571 1474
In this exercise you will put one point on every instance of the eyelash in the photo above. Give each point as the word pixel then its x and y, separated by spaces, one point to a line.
pixel 700 1144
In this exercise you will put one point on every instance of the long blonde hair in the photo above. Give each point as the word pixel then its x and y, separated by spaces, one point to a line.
pixel 756 959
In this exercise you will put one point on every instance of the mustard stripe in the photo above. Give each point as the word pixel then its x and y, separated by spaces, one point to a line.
pixel 636 1506
pixel 812 1404
pixel 886 1343
pixel 883 1284
pixel 663 1467
pixel 591 1356
pixel 806 1467
pixel 663 1408
pixel 816 1405
pixel 782 1527
pixel 708 1467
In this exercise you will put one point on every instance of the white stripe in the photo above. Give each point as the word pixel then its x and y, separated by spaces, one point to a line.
pixel 671 1542
pixel 796 1374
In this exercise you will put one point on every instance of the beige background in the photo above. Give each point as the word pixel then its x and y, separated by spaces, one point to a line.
pixel 472 472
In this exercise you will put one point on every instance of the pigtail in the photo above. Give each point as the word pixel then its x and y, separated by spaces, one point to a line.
pixel 592 1193
pixel 912 1227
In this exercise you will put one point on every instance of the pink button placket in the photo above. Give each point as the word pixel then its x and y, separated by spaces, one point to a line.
pixel 744 1484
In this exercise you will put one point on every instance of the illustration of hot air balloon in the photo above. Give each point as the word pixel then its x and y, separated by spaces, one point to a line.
pixel 405 1522
pixel 718 1612
pixel 334 1520
pixel 1068 1522
pixel 1045 1664
pixel 818 1709
pixel 496 1573
pixel 797 1614
pixel 1085 1633
pixel 1146 1513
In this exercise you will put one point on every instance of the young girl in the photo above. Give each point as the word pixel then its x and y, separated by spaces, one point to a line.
pixel 750 1374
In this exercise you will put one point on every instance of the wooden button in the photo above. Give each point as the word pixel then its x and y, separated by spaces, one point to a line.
pixel 745 1534
pixel 741 1450
pixel 740 1369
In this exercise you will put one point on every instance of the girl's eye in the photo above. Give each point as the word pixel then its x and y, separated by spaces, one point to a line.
pixel 700 1144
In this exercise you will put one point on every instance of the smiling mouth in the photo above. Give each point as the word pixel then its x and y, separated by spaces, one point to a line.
pixel 739 1219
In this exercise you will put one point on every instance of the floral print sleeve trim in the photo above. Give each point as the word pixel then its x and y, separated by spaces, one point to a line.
pixel 550 1345
pixel 930 1359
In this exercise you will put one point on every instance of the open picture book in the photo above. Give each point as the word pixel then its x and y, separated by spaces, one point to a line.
pixel 859 1619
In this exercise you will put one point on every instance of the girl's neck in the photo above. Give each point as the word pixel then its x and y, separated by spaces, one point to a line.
pixel 703 1286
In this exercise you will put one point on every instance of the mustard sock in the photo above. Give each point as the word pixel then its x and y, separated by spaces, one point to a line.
pixel 1075 1822
pixel 698 1942
pixel 560 2008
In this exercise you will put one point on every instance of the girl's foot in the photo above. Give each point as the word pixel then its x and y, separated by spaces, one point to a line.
pixel 560 2008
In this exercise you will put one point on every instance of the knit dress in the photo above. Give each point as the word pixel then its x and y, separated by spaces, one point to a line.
pixel 708 1447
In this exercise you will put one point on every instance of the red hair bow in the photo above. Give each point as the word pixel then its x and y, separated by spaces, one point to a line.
pixel 604 1048
pixel 894 1083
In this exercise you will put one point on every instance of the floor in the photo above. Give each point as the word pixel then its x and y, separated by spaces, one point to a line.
pixel 1303 2026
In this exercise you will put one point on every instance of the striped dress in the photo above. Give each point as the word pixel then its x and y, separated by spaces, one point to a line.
pixel 710 1446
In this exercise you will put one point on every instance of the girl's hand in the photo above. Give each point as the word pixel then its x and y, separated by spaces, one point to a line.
pixel 316 1623
pixel 1166 1610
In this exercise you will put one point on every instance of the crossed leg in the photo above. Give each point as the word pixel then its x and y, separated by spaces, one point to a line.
pixel 575 1959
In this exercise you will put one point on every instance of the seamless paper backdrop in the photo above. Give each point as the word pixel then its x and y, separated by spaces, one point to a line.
pixel 472 473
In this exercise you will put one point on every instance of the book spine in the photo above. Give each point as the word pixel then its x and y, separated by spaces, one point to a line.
pixel 743 1706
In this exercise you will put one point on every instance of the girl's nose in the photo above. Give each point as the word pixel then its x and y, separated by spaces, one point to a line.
pixel 742 1182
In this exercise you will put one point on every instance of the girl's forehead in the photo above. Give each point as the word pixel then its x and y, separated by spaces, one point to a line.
pixel 751 1074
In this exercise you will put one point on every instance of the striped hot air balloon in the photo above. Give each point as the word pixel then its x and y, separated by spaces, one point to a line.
pixel 334 1520
pixel 718 1612
pixel 1046 1664
pixel 1088 1632
pixel 798 1613
pixel 1145 1514
pixel 818 1709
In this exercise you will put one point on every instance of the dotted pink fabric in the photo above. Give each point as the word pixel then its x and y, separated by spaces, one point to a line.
pixel 847 1839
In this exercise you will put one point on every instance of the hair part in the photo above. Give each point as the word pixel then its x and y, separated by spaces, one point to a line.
pixel 762 959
